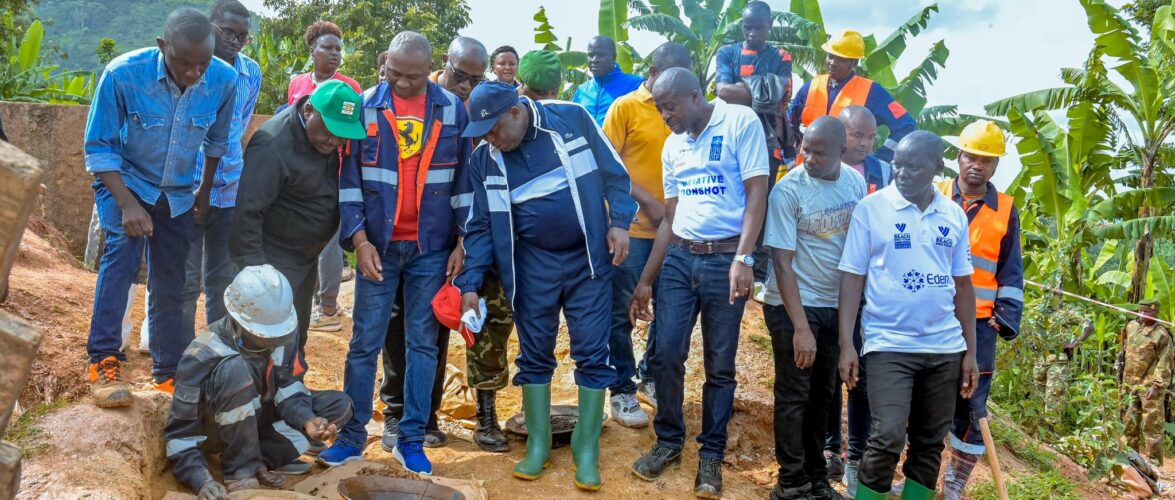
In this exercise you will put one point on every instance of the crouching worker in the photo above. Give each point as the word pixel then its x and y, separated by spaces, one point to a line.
pixel 236 392
pixel 550 203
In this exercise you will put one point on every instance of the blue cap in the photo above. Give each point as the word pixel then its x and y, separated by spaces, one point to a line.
pixel 488 102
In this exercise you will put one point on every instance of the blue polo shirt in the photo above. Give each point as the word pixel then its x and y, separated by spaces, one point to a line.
pixel 143 127
pixel 909 259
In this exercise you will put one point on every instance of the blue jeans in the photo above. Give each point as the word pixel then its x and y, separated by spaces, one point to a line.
pixel 167 248
pixel 693 284
pixel 422 276
pixel 624 281
pixel 209 268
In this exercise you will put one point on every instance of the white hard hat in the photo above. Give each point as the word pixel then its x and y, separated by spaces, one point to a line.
pixel 261 300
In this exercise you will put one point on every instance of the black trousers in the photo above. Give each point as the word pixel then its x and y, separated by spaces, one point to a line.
pixel 911 396
pixel 391 390
pixel 802 397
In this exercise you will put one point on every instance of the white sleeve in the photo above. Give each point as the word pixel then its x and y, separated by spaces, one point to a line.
pixel 855 256
pixel 782 218
pixel 668 179
pixel 961 259
pixel 751 145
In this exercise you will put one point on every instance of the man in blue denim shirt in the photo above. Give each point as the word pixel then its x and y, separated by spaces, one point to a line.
pixel 209 267
pixel 153 110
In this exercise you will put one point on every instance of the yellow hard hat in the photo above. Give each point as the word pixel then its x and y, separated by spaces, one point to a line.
pixel 983 138
pixel 848 44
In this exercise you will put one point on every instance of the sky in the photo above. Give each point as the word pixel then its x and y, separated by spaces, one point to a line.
pixel 998 48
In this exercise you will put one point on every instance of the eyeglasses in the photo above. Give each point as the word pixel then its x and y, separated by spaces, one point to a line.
pixel 232 36
pixel 462 77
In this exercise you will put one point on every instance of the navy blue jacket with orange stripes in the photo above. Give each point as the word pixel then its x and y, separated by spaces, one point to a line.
pixel 368 183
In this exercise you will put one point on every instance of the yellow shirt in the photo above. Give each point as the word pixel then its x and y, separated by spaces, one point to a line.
pixel 638 133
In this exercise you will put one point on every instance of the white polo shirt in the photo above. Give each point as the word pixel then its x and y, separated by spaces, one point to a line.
pixel 909 259
pixel 706 174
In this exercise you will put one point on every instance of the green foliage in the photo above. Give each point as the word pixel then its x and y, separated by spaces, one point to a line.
pixel 25 77
pixel 701 28
pixel 1051 485
pixel 107 50
pixel 574 62
pixel 279 59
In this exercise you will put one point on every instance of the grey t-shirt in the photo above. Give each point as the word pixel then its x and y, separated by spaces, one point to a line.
pixel 811 217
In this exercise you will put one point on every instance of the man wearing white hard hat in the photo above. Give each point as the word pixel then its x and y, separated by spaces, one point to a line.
pixel 236 392
pixel 841 87
pixel 998 280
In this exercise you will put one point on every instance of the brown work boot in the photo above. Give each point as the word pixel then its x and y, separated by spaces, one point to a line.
pixel 106 384
pixel 270 478
pixel 235 485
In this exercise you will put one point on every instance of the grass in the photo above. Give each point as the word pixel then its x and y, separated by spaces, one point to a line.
pixel 23 431
pixel 1025 449
pixel 1051 485
pixel 763 342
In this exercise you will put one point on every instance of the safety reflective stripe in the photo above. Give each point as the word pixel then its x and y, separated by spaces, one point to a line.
pixel 891 144
pixel 498 200
pixel 461 200
pixel 551 182
pixel 288 391
pixel 441 176
pixel 855 92
pixel 376 174
pixel 180 445
pixel 370 115
pixel 449 113
pixel 294 437
pixel 983 264
pixel 1010 292
pixel 219 347
pixel 985 294
pixel 239 413
pixel 350 195
pixel 279 355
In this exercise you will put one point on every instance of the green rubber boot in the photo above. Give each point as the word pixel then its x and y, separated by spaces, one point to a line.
pixel 864 493
pixel 915 491
pixel 536 402
pixel 585 439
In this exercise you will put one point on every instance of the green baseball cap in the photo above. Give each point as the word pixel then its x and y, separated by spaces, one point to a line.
pixel 340 108
pixel 1151 302
pixel 541 70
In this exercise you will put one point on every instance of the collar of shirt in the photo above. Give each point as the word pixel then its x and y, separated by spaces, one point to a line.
pixel 836 84
pixel 991 198
pixel 642 94
pixel 899 202
pixel 611 76
pixel 163 75
pixel 532 129
pixel 304 142
pixel 716 118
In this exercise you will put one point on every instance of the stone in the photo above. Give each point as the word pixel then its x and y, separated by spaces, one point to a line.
pixel 20 180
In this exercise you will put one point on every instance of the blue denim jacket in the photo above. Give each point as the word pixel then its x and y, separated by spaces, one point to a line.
pixel 141 126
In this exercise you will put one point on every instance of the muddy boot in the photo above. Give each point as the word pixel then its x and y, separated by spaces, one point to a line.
pixel 864 493
pixel 270 479
pixel 957 474
pixel 235 485
pixel 536 404
pixel 488 435
pixel 106 384
pixel 585 439
pixel 915 491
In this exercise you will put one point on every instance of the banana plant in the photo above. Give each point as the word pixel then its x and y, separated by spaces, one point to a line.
pixel 25 77
pixel 702 28
pixel 574 62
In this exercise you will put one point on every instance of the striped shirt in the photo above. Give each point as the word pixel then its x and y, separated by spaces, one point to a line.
pixel 228 174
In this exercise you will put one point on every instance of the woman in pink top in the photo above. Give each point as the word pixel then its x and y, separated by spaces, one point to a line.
pixel 325 40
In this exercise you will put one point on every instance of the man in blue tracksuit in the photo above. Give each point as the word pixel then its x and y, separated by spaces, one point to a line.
pixel 550 202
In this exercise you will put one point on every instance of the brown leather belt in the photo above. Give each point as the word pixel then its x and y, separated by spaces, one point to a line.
pixel 729 245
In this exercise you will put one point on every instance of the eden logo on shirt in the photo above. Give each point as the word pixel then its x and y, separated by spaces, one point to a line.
pixel 901 239
pixel 716 149
pixel 943 241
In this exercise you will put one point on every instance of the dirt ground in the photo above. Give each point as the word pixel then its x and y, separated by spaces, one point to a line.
pixel 49 289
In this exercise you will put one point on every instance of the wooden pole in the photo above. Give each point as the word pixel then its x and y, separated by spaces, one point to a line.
pixel 993 459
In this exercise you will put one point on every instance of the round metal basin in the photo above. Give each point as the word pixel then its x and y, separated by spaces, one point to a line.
pixel 563 419
pixel 392 488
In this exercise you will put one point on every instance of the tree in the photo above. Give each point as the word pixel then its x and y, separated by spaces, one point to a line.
pixel 25 76
pixel 107 50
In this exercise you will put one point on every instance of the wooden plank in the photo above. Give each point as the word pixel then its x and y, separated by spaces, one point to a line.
pixel 9 470
pixel 20 180
pixel 18 347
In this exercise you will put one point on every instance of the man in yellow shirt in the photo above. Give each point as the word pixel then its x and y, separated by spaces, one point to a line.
pixel 638 132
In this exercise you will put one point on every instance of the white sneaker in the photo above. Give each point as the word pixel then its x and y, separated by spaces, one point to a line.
pixel 850 478
pixel 628 412
pixel 648 392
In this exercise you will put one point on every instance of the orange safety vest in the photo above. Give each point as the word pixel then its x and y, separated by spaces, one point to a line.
pixel 855 93
pixel 986 230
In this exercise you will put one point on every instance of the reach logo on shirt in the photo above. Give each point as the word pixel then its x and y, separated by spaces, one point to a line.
pixel 944 241
pixel 914 280
pixel 901 239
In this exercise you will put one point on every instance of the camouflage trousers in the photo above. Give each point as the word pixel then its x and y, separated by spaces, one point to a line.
pixel 1144 423
pixel 486 365
pixel 1052 377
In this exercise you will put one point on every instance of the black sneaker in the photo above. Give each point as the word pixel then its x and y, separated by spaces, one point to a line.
pixel 391 433
pixel 779 492
pixel 708 482
pixel 435 438
pixel 835 466
pixel 651 465
pixel 821 490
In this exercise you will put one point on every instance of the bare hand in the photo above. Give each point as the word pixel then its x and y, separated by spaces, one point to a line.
pixel 638 308
pixel 469 301
pixel 367 257
pixel 456 263
pixel 203 204
pixel 213 490
pixel 804 344
pixel 970 375
pixel 849 363
pixel 741 281
pixel 992 323
pixel 136 222
pixel 617 245
pixel 320 429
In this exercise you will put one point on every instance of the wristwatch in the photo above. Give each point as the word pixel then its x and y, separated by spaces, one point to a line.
pixel 746 260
